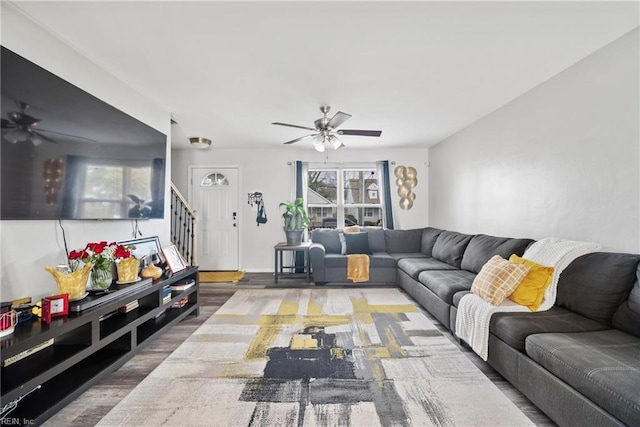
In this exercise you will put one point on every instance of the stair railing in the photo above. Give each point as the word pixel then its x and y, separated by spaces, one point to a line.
pixel 183 226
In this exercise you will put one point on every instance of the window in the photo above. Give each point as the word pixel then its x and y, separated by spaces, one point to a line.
pixel 213 179
pixel 112 190
pixel 343 196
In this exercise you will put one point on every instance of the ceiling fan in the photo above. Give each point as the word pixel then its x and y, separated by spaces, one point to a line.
pixel 21 127
pixel 326 130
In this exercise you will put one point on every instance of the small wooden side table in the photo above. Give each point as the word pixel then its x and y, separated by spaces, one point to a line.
pixel 279 267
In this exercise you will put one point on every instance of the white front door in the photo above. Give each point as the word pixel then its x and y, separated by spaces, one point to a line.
pixel 214 197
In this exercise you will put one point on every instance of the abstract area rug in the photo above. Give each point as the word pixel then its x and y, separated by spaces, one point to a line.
pixel 307 357
pixel 221 276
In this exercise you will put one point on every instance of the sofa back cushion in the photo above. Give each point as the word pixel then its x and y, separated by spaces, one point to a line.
pixel 376 239
pixel 403 241
pixel 596 284
pixel 429 237
pixel 329 238
pixel 627 317
pixel 450 246
pixel 482 247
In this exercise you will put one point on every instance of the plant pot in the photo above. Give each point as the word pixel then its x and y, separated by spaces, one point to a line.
pixel 294 237
pixel 128 269
pixel 74 283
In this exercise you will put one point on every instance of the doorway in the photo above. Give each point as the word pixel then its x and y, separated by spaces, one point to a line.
pixel 214 197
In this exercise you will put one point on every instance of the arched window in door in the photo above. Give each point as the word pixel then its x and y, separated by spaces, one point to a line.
pixel 214 179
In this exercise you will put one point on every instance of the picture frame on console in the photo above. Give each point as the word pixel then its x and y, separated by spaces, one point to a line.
pixel 175 262
pixel 146 248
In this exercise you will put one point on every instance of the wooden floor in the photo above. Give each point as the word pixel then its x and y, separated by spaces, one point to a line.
pixel 91 406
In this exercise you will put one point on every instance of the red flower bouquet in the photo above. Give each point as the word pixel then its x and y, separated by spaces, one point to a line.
pixel 100 254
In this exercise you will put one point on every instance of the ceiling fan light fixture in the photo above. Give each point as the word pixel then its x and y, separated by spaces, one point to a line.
pixel 200 142
pixel 318 143
pixel 16 135
pixel 35 140
pixel 335 142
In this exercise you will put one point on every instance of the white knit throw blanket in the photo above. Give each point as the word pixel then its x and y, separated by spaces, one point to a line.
pixel 474 313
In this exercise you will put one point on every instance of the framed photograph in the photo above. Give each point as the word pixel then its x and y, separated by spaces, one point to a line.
pixel 146 247
pixel 173 258
pixel 57 305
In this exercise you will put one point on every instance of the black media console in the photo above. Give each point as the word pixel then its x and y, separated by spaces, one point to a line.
pixel 45 367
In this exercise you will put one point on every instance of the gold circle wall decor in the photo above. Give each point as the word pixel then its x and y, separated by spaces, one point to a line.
pixel 406 180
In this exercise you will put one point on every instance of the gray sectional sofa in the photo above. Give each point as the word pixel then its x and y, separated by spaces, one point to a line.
pixel 579 362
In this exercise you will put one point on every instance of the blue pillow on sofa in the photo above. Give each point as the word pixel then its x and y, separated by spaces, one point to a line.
pixel 357 243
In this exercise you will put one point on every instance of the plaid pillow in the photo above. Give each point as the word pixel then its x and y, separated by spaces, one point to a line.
pixel 497 279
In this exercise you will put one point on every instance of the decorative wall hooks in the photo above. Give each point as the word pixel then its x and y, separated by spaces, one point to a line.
pixel 254 198
pixel 406 180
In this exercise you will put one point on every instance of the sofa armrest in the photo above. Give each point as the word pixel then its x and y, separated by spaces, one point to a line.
pixel 316 256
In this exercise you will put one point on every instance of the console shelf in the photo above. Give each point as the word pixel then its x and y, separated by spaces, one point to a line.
pixel 79 349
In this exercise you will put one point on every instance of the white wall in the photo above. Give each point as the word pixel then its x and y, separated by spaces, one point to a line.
pixel 28 246
pixel 268 171
pixel 562 160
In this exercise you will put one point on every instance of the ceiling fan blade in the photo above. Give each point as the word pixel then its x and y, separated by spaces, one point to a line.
pixel 66 134
pixel 6 124
pixel 294 126
pixel 301 138
pixel 360 132
pixel 40 135
pixel 338 119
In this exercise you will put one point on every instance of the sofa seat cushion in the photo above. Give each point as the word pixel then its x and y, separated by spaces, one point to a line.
pixel 400 255
pixel 446 283
pixel 414 266
pixel 604 366
pixel 382 260
pixel 514 328
pixel 377 260
pixel 335 261
pixel 458 296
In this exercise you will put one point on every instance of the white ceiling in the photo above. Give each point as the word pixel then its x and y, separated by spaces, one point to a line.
pixel 418 71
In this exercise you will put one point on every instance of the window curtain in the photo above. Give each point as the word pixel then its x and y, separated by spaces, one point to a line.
pixel 157 188
pixel 385 194
pixel 302 174
pixel 76 168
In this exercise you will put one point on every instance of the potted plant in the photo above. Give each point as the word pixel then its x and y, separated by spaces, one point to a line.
pixel 295 221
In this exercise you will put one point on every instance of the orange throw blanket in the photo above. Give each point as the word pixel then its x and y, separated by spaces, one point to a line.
pixel 358 267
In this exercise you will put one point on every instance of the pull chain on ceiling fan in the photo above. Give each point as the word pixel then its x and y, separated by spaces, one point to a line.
pixel 326 130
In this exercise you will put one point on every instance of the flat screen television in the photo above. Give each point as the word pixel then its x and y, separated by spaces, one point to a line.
pixel 65 154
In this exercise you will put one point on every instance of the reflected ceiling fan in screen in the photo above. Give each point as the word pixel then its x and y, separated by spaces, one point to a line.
pixel 66 154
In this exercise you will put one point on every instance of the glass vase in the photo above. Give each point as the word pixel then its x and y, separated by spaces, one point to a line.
pixel 101 278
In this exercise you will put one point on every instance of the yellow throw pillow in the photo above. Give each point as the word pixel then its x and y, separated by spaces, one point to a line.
pixel 531 290
pixel 497 279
